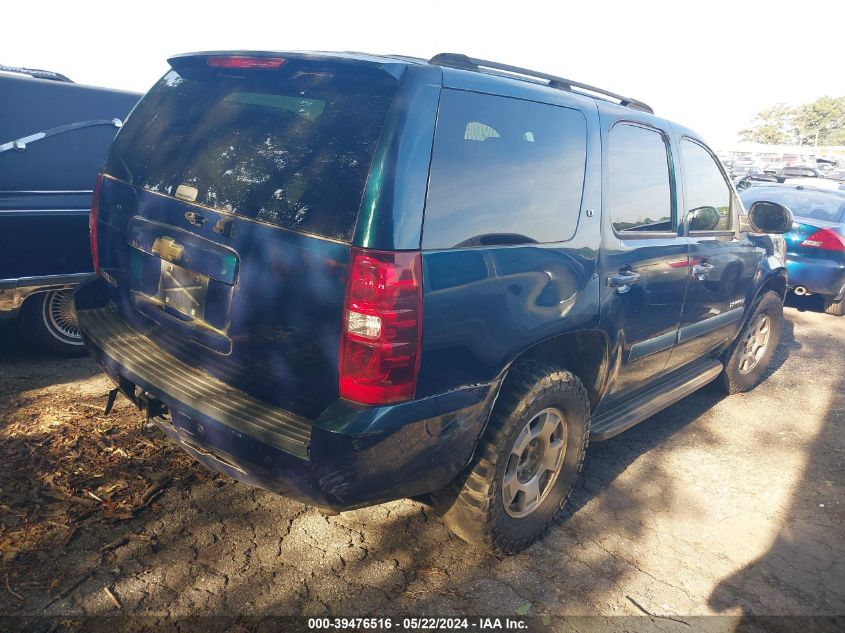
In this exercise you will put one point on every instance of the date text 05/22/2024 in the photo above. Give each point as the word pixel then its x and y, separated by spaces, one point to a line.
pixel 419 624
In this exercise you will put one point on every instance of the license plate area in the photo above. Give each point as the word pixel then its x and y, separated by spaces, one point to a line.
pixel 182 290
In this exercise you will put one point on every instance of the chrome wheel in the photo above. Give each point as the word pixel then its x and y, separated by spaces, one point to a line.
pixel 60 317
pixel 755 343
pixel 534 463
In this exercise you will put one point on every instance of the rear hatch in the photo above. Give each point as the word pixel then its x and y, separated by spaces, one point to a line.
pixel 226 210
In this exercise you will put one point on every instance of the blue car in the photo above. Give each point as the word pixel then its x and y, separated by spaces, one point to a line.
pixel 351 278
pixel 54 135
pixel 816 245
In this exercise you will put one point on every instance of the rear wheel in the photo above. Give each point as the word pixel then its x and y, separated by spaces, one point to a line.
pixel 836 308
pixel 749 356
pixel 526 463
pixel 49 319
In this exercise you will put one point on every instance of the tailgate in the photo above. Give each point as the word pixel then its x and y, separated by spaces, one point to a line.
pixel 225 214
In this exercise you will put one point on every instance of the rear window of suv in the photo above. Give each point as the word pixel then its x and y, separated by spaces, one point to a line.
pixel 290 147
pixel 504 171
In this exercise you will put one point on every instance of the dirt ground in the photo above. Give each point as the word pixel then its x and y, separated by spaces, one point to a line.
pixel 715 506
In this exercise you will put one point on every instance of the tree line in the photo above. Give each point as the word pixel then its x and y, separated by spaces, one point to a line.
pixel 821 122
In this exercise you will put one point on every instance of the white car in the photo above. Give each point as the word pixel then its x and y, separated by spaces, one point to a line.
pixel 817 183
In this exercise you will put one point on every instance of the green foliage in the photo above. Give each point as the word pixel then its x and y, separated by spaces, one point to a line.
pixel 821 122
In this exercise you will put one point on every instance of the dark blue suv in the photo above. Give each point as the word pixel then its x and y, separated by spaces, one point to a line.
pixel 352 278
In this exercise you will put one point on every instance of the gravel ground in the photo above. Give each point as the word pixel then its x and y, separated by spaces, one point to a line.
pixel 714 506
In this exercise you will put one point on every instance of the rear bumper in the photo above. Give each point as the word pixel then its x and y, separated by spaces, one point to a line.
pixel 820 276
pixel 13 292
pixel 350 456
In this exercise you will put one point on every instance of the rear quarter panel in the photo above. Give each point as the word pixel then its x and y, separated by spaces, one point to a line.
pixel 483 307
pixel 819 271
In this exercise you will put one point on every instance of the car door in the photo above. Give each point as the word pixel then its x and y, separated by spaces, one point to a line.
pixel 722 263
pixel 644 259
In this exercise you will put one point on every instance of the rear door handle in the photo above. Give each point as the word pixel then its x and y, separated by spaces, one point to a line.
pixel 623 280
pixel 702 271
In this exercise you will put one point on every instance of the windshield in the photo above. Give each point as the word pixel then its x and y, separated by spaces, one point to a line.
pixel 289 147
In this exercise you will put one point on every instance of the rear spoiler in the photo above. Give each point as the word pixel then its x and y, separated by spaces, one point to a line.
pixel 204 62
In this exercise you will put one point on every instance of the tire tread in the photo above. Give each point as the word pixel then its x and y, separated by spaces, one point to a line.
pixel 730 377
pixel 471 513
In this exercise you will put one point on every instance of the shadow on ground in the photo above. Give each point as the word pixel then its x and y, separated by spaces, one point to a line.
pixel 221 547
pixel 799 573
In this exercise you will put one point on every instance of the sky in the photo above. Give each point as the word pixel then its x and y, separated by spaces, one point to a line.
pixel 708 64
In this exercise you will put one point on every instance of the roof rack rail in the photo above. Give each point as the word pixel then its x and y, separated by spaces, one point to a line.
pixel 35 72
pixel 457 60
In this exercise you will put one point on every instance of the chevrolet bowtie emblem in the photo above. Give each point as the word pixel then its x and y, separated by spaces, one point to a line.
pixel 168 249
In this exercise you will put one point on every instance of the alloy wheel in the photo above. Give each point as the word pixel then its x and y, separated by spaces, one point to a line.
pixel 755 343
pixel 534 463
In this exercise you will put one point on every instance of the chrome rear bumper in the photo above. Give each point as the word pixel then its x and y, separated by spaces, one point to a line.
pixel 13 292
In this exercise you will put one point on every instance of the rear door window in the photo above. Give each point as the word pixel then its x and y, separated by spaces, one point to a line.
pixel 504 171
pixel 290 147
pixel 640 197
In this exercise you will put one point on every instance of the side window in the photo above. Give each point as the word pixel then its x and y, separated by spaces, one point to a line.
pixel 504 171
pixel 640 190
pixel 708 196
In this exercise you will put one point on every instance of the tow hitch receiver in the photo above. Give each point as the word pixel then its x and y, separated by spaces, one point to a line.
pixel 151 406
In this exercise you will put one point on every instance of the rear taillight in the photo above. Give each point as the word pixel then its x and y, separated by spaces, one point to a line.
pixel 826 240
pixel 92 223
pixel 242 61
pixel 382 326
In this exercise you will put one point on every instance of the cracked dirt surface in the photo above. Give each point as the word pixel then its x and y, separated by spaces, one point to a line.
pixel 716 505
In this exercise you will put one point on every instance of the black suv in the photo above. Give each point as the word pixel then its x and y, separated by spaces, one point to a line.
pixel 352 278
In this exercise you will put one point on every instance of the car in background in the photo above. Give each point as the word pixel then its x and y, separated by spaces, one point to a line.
pixel 54 134
pixel 752 180
pixel 825 165
pixel 801 171
pixel 816 244
pixel 836 174
pixel 740 171
pixel 815 183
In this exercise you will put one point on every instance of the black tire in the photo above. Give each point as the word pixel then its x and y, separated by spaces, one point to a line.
pixel 473 506
pixel 744 367
pixel 836 308
pixel 49 321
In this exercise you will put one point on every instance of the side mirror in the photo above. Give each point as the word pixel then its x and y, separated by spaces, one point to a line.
pixel 704 219
pixel 770 217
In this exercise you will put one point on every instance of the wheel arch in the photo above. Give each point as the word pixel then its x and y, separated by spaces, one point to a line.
pixel 582 352
pixel 775 281
pixel 46 332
